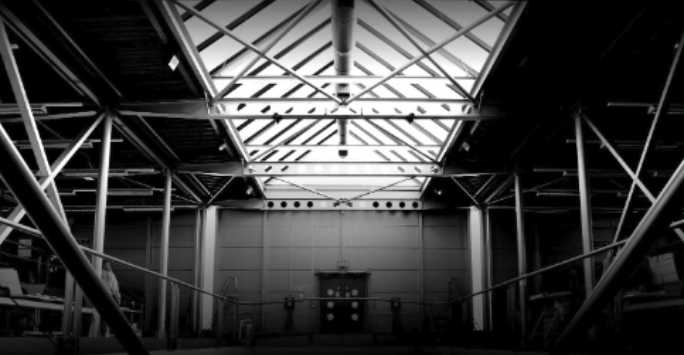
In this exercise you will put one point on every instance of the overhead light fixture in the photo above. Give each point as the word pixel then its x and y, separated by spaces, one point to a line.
pixel 173 63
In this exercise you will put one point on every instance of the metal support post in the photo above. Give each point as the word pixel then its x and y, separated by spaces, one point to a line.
pixel 489 271
pixel 477 265
pixel 19 178
pixel 522 255
pixel 585 207
pixel 197 269
pixel 101 208
pixel 164 257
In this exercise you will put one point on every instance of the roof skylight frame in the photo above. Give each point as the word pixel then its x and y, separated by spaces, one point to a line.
pixel 310 95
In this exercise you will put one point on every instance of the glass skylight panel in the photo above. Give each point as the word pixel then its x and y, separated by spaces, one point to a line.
pixel 394 132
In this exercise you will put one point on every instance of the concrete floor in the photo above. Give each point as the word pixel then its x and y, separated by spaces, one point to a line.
pixel 338 350
pixel 40 345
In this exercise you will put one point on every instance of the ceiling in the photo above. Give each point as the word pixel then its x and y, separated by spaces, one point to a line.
pixel 191 97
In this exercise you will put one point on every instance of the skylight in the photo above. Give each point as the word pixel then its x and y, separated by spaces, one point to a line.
pixel 299 136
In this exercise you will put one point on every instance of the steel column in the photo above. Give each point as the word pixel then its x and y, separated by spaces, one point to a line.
pixel 476 237
pixel 197 269
pixel 99 225
pixel 522 254
pixel 164 257
pixel 489 270
pixel 20 180
pixel 658 217
pixel 585 206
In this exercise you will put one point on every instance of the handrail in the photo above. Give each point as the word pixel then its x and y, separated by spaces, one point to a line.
pixel 36 233
pixel 234 300
pixel 542 270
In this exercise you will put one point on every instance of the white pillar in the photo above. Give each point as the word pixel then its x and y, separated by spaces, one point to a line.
pixel 208 252
pixel 477 264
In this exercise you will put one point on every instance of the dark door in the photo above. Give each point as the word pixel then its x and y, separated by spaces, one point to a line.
pixel 341 312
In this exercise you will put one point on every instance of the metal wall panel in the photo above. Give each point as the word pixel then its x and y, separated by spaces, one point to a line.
pixel 297 243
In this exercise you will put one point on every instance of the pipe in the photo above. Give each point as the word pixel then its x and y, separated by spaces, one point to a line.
pixel 522 254
pixel 585 206
pixel 164 256
pixel 101 203
pixel 343 21
pixel 19 178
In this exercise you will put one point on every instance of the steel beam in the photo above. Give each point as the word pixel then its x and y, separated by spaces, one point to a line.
pixel 606 143
pixel 99 225
pixel 47 55
pixel 293 23
pixel 315 116
pixel 26 112
pixel 58 31
pixel 247 44
pixel 49 221
pixel 465 191
pixel 302 187
pixel 663 106
pixel 151 154
pixel 585 206
pixel 498 46
pixel 521 246
pixel 192 56
pixel 220 190
pixel 18 212
pixel 431 50
pixel 499 189
pixel 164 257
pixel 378 189
pixel 658 216
pixel 392 19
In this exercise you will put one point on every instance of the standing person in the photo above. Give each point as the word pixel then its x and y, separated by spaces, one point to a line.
pixel 112 285
pixel 110 281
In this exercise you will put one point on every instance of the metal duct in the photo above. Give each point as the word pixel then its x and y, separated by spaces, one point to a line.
pixel 343 20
